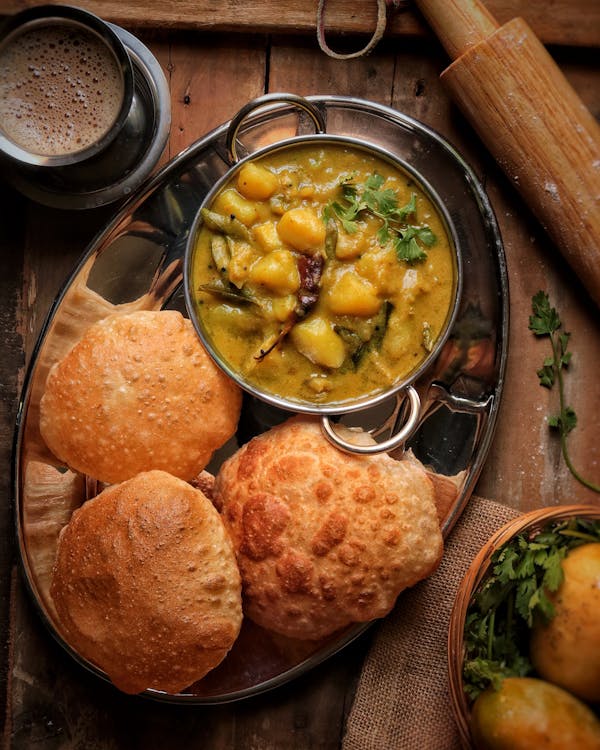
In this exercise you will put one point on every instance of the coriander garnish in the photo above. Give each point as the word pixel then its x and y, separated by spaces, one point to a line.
pixel 512 595
pixel 408 239
pixel 545 321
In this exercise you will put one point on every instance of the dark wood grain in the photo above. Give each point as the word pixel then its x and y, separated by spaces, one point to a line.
pixel 11 370
pixel 57 705
pixel 52 703
pixel 569 22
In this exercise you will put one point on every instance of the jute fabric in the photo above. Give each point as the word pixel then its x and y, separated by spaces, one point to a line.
pixel 402 700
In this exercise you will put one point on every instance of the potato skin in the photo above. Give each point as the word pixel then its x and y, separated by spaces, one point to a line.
pixel 531 714
pixel 566 651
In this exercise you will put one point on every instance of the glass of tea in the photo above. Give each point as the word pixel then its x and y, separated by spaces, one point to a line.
pixel 70 119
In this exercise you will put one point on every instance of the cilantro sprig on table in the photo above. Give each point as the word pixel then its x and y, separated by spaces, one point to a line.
pixel 545 321
pixel 512 596
pixel 383 203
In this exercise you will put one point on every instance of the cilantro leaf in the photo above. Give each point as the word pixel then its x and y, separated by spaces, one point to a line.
pixel 563 422
pixel 346 215
pixel 406 245
pixel 553 572
pixel 545 322
pixel 409 209
pixel 409 241
pixel 374 181
pixel 408 249
pixel 512 596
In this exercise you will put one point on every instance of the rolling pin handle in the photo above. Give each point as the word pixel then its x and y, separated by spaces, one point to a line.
pixel 458 24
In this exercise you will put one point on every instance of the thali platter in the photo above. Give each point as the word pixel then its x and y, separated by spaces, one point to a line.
pixel 136 263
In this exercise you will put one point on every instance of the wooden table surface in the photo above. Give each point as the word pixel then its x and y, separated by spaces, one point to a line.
pixel 216 57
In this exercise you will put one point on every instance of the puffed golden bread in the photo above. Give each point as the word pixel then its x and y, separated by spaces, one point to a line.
pixel 138 392
pixel 146 584
pixel 324 539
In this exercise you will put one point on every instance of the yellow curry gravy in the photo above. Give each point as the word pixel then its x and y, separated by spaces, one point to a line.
pixel 370 317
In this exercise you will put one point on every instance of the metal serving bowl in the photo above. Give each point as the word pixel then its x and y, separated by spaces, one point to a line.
pixel 402 390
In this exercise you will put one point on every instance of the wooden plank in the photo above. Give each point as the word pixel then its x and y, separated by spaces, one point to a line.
pixel 45 683
pixel 55 704
pixel 200 76
pixel 525 468
pixel 569 22
pixel 11 335
pixel 522 471
pixel 295 65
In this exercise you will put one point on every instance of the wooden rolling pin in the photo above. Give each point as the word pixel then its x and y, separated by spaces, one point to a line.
pixel 532 122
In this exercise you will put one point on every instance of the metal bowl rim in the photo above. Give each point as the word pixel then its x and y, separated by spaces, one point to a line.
pixel 362 402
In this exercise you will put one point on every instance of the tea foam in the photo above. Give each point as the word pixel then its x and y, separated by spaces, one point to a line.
pixel 61 89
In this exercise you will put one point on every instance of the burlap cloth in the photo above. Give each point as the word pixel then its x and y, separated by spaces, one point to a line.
pixel 402 699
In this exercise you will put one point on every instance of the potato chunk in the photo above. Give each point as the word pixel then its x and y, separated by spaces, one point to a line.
pixel 243 255
pixel 283 307
pixel 353 295
pixel 349 246
pixel 318 342
pixel 380 267
pixel 256 182
pixel 400 336
pixel 231 203
pixel 277 271
pixel 302 229
pixel 266 236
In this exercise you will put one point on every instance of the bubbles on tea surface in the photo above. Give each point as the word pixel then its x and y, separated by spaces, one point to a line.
pixel 61 89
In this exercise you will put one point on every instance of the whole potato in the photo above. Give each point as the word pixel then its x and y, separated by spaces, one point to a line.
pixel 566 650
pixel 531 714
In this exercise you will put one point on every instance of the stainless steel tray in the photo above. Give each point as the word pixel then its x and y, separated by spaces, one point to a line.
pixel 136 263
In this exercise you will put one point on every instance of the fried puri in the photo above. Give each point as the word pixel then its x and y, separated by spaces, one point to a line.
pixel 138 392
pixel 324 539
pixel 146 584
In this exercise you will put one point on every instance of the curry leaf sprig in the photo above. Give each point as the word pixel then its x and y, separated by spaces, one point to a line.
pixel 545 321
pixel 514 593
pixel 383 203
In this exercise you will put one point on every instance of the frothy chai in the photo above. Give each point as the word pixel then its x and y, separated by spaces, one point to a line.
pixel 61 89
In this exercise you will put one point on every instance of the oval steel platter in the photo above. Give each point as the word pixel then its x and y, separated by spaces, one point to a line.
pixel 136 263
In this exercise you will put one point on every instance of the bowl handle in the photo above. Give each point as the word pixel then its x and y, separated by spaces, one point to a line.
pixel 234 126
pixel 395 441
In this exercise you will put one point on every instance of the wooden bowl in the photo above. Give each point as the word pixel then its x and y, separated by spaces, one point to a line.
pixel 530 523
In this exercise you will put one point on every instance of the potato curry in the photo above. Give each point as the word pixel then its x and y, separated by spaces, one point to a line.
pixel 322 273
